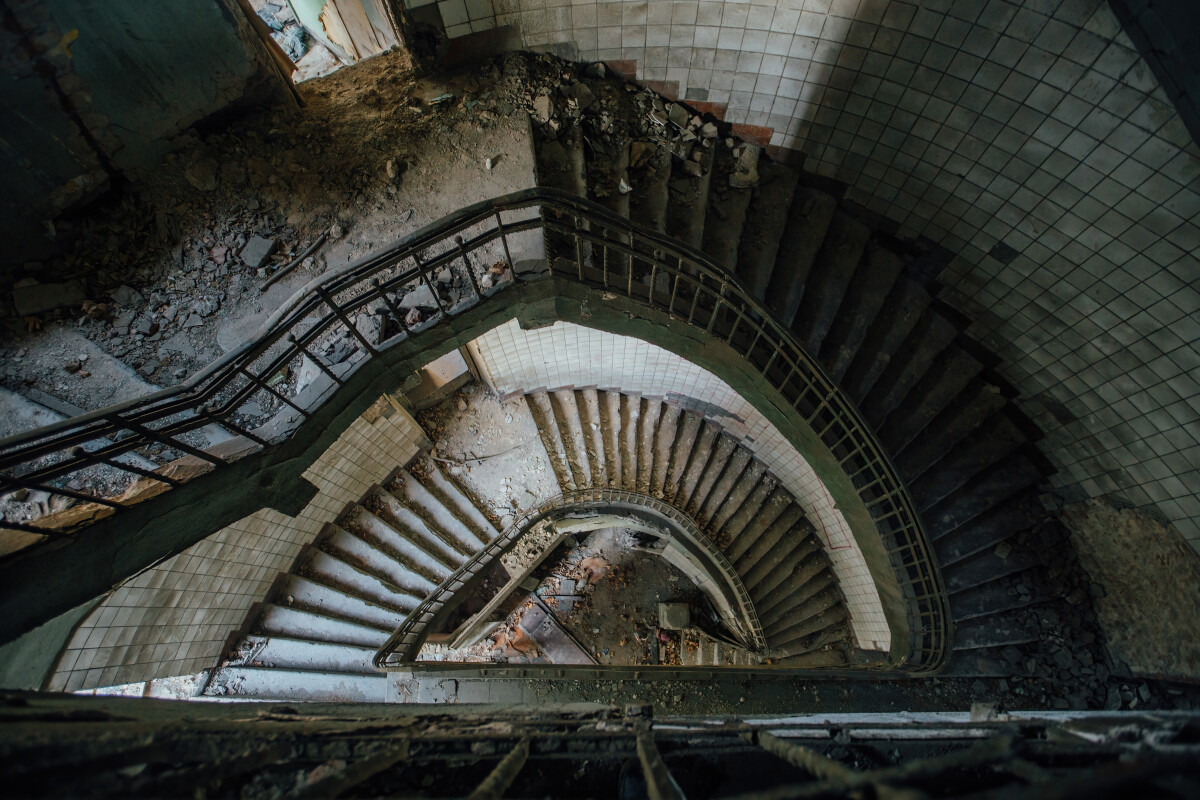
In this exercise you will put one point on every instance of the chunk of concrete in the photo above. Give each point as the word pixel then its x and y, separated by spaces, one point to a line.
pixel 256 251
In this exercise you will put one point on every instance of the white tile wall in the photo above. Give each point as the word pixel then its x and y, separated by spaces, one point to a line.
pixel 571 355
pixel 1033 124
pixel 174 619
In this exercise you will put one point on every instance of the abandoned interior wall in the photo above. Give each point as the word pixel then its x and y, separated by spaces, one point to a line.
pixel 95 89
pixel 175 618
pixel 1029 138
pixel 1149 610
pixel 566 355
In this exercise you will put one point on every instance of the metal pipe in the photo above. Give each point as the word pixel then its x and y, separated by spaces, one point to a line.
pixel 659 782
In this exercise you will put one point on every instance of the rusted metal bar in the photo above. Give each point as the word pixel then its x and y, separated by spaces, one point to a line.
pixel 501 777
pixel 346 320
pixel 806 758
pixel 462 253
pixel 659 782
pixel 504 241
pixel 291 337
pixel 262 384
pixel 142 430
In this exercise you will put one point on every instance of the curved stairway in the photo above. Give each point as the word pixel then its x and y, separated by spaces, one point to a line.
pixel 349 590
pixel 858 301
pixel 607 439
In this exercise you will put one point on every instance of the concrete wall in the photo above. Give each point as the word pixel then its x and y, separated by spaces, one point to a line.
pixel 566 355
pixel 175 618
pixel 93 88
pixel 1029 138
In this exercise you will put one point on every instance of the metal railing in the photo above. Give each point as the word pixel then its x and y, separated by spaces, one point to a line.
pixel 584 243
pixel 402 647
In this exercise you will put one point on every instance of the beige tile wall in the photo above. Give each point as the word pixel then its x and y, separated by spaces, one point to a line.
pixel 174 619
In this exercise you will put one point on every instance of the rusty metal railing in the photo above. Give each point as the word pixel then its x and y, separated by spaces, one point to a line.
pixel 585 244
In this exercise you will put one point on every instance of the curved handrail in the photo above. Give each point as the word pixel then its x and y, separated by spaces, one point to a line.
pixel 405 643
pixel 584 243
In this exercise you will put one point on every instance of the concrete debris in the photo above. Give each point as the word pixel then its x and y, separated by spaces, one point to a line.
pixel 336 231
pixel 256 251
pixel 420 297
pixel 127 297
pixel 543 107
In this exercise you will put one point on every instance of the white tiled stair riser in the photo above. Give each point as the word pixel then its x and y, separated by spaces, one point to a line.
pixel 571 355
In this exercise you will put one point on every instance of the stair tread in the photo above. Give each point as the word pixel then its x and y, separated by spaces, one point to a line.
pixel 831 273
pixel 860 306
pixel 766 220
pixel 809 216
pixel 295 623
pixel 360 553
pixel 725 216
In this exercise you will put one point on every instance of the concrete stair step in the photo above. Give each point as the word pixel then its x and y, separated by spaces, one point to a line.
pixel 831 274
pixel 768 546
pixel 864 298
pixel 766 221
pixel 764 579
pixel 284 684
pixel 987 566
pixel 750 479
pixel 812 645
pixel 905 304
pixel 983 493
pixel 989 530
pixel 610 433
pixel 995 597
pixel 799 599
pixel 651 410
pixel 298 591
pixel 403 508
pixel 727 206
pixel 722 451
pixel 978 401
pixel 461 503
pixel 702 450
pixel 332 571
pixel 802 556
pixel 925 345
pixel 688 201
pixel 413 545
pixel 664 441
pixel 686 431
pixel 809 217
pixel 566 419
pixel 995 631
pixel 370 557
pixel 606 169
pixel 588 403
pixel 281 652
pixel 447 533
pixel 733 527
pixel 737 465
pixel 561 163
pixel 296 623
pixel 544 420
pixel 793 631
pixel 756 537
pixel 631 422
pixel 952 373
pixel 995 439
pixel 651 177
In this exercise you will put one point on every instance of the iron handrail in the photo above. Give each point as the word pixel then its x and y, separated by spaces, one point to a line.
pixel 585 243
